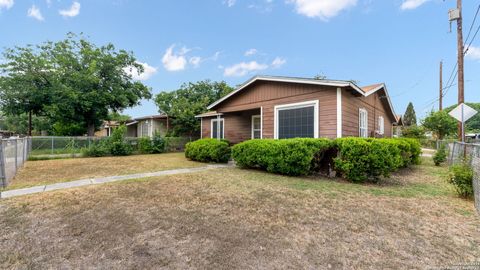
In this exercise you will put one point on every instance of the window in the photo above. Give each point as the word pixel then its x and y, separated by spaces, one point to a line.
pixel 363 123
pixel 217 126
pixel 144 129
pixel 298 120
pixel 256 127
pixel 381 125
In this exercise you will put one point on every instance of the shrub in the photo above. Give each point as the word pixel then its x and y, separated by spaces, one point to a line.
pixel 461 176
pixel 115 145
pixel 289 156
pixel 361 159
pixel 208 150
pixel 155 145
pixel 144 145
pixel 97 149
pixel 440 156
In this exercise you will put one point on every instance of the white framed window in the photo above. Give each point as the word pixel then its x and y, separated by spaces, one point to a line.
pixel 216 128
pixel 363 123
pixel 381 125
pixel 296 120
pixel 256 127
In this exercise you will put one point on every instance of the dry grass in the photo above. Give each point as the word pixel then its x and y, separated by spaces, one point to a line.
pixel 239 219
pixel 61 170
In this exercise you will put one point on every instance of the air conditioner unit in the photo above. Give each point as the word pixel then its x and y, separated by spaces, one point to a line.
pixel 454 14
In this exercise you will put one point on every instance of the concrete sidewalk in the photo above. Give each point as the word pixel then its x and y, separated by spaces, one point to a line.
pixel 102 180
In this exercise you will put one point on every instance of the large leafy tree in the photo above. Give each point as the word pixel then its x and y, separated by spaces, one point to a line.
pixel 27 81
pixel 93 81
pixel 440 123
pixel 410 117
pixel 190 100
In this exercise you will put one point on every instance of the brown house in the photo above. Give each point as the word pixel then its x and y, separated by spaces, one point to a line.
pixel 285 107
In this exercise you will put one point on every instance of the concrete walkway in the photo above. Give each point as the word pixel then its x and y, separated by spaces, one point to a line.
pixel 102 180
pixel 428 152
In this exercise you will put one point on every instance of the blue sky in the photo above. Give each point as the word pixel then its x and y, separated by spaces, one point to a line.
pixel 393 41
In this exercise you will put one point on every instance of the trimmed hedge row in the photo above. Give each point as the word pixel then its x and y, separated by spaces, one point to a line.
pixel 289 157
pixel 208 150
pixel 356 159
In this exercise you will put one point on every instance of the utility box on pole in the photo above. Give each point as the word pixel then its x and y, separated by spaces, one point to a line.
pixel 454 14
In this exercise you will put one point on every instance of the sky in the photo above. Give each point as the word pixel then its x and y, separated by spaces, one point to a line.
pixel 398 42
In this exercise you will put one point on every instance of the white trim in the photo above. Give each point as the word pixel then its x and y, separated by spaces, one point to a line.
pixel 339 112
pixel 290 80
pixel 360 111
pixel 209 115
pixel 261 122
pixel 304 104
pixel 259 116
pixel 312 82
pixel 381 125
pixel 211 127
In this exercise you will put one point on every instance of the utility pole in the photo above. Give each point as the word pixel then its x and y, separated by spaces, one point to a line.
pixel 440 97
pixel 456 15
pixel 461 89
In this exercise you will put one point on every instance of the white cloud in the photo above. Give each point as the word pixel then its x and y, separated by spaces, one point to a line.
pixel 73 11
pixel 412 4
pixel 195 61
pixel 251 52
pixel 473 53
pixel 6 4
pixel 323 9
pixel 174 61
pixel 35 13
pixel 148 71
pixel 229 3
pixel 243 68
pixel 278 62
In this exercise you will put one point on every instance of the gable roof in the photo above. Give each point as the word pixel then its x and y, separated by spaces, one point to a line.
pixel 363 91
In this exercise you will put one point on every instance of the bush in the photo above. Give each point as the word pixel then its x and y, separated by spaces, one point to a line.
pixel 208 150
pixel 461 176
pixel 289 157
pixel 115 145
pixel 440 156
pixel 97 149
pixel 361 159
pixel 154 145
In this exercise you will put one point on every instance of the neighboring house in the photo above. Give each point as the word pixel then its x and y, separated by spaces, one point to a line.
pixel 397 127
pixel 107 128
pixel 148 125
pixel 285 107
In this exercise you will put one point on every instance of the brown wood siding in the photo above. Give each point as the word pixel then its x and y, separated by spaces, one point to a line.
pixel 270 94
pixel 375 108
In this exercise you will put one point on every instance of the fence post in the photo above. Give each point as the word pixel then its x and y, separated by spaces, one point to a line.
pixel 16 154
pixel 52 146
pixel 3 176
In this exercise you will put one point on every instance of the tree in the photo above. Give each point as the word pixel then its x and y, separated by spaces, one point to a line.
pixel 190 100
pixel 93 81
pixel 440 123
pixel 115 116
pixel 413 132
pixel 27 82
pixel 410 118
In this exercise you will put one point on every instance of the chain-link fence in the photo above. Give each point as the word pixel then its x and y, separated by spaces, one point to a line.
pixel 13 153
pixel 470 153
pixel 73 146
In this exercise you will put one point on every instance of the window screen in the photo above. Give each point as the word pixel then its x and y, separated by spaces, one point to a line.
pixel 296 123
pixel 256 127
pixel 363 123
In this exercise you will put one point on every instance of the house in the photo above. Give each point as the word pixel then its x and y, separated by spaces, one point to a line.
pixel 147 126
pixel 287 107
pixel 106 128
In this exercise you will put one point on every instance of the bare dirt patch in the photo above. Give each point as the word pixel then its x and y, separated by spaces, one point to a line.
pixel 239 219
pixel 61 170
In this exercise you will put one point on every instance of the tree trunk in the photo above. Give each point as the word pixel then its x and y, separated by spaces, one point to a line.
pixel 90 129
pixel 30 123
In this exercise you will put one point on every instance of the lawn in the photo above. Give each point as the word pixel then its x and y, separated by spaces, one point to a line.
pixel 60 170
pixel 241 219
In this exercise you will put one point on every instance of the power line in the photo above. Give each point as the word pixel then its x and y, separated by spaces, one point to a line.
pixel 473 23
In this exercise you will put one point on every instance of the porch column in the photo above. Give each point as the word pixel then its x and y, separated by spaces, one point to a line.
pixel 339 112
